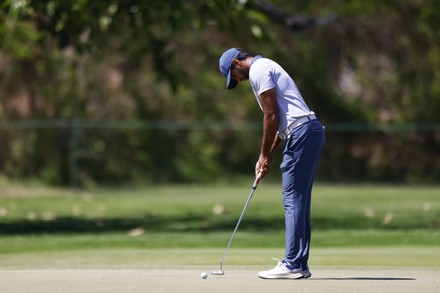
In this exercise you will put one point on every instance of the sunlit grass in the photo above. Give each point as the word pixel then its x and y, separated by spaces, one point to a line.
pixel 352 224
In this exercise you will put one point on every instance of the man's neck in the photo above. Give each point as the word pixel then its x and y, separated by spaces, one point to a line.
pixel 253 59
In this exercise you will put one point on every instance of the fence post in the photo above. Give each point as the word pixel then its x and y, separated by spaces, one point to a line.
pixel 74 137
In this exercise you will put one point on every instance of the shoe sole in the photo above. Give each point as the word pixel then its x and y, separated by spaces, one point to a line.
pixel 287 277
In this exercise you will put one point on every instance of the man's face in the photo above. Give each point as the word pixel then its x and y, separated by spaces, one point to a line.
pixel 238 72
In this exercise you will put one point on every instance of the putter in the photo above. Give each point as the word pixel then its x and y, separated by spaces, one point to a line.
pixel 221 272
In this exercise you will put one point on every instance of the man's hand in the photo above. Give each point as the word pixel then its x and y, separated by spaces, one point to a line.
pixel 262 166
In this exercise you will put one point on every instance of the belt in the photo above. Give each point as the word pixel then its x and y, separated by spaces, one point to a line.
pixel 288 130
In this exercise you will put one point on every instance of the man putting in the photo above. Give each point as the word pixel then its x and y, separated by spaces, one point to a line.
pixel 286 117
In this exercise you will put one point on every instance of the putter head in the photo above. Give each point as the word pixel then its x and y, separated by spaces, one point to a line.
pixel 219 272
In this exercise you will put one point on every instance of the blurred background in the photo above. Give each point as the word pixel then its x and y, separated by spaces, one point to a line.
pixel 128 92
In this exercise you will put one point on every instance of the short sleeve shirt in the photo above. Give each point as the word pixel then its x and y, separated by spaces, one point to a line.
pixel 266 74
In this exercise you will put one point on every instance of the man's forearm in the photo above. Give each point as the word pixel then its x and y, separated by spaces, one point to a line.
pixel 269 105
pixel 275 143
pixel 270 128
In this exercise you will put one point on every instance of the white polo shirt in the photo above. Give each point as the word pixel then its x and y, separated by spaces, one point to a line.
pixel 266 74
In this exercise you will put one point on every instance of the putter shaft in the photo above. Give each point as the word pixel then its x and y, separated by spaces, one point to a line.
pixel 254 186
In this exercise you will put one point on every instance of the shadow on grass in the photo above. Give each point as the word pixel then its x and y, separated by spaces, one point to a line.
pixel 148 223
pixel 365 279
pixel 191 223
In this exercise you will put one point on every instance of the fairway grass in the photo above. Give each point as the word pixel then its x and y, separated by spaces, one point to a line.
pixel 210 257
pixel 352 225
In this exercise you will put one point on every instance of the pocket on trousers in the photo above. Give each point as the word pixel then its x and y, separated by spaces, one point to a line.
pixel 318 128
pixel 288 162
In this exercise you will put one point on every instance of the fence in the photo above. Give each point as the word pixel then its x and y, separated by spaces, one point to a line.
pixel 74 126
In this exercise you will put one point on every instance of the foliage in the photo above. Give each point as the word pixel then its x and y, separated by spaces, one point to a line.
pixel 377 62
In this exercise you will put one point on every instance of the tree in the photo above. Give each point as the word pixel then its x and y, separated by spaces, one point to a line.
pixel 376 62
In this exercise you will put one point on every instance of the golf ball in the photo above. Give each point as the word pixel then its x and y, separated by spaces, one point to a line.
pixel 203 275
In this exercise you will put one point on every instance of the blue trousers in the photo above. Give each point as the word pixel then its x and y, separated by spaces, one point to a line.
pixel 301 155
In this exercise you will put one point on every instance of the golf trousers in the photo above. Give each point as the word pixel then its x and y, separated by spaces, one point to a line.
pixel 301 155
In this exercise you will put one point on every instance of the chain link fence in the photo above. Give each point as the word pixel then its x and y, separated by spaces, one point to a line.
pixel 345 141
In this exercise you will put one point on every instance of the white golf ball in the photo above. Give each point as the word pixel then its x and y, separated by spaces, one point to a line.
pixel 203 275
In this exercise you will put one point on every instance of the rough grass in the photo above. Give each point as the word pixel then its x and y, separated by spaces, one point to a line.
pixel 191 208
pixel 352 224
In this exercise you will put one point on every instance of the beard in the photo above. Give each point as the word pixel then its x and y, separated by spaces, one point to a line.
pixel 244 74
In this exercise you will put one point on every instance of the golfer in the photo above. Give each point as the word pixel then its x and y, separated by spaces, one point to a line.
pixel 286 117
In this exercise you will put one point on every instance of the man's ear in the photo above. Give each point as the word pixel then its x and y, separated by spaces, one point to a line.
pixel 235 61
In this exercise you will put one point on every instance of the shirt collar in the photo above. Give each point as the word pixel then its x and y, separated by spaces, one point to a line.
pixel 256 58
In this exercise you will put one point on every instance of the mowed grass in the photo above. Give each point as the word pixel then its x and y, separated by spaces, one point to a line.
pixel 191 224
pixel 210 257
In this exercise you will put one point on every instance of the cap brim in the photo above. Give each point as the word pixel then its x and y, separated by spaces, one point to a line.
pixel 230 82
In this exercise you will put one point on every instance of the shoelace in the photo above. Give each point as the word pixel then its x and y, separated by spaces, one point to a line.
pixel 279 262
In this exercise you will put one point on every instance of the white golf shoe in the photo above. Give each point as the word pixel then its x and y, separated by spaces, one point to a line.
pixel 283 271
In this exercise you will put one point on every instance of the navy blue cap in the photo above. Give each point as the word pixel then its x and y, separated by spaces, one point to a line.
pixel 225 63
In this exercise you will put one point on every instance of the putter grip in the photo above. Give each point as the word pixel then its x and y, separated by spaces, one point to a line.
pixel 257 180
